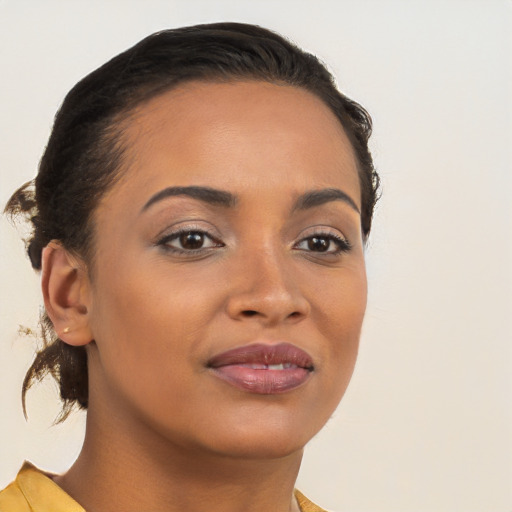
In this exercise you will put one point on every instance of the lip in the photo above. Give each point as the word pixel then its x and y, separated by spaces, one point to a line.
pixel 262 368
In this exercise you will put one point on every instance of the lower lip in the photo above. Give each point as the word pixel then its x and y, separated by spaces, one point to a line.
pixel 263 382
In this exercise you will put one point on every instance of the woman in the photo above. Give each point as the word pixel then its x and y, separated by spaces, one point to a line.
pixel 199 218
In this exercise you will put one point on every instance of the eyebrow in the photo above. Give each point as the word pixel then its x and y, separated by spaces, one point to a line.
pixel 206 194
pixel 226 199
pixel 326 195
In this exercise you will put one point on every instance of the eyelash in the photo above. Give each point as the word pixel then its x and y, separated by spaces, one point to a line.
pixel 343 245
pixel 164 242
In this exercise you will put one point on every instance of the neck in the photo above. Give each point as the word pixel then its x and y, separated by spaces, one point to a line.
pixel 129 470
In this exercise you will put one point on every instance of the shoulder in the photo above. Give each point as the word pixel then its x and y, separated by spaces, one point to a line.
pixel 12 499
pixel 35 491
pixel 305 504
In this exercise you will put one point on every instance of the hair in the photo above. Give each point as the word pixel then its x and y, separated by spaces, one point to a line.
pixel 84 153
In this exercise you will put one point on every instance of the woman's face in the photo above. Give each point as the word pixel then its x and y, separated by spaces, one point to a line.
pixel 229 283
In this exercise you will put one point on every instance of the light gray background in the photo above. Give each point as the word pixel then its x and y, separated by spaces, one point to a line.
pixel 426 424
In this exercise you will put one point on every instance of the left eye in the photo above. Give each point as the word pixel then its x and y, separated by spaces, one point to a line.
pixel 329 244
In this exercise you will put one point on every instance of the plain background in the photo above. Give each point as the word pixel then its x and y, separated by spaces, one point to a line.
pixel 427 423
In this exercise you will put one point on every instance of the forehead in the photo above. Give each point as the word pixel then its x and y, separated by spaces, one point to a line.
pixel 237 135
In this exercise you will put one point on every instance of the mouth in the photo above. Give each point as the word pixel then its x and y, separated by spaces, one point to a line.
pixel 263 369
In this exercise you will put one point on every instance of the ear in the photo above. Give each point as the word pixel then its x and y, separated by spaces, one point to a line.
pixel 66 291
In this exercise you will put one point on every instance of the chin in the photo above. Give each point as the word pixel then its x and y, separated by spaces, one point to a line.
pixel 270 437
pixel 260 446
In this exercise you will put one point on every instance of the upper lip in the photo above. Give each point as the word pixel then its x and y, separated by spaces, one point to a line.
pixel 259 353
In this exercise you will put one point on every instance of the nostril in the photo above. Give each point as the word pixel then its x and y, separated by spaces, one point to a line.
pixel 249 313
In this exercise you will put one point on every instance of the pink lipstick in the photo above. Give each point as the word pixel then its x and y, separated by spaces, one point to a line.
pixel 263 369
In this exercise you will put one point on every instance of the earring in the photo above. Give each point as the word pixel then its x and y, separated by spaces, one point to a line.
pixel 65 330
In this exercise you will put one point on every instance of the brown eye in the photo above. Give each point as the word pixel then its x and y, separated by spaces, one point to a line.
pixel 318 244
pixel 324 243
pixel 191 240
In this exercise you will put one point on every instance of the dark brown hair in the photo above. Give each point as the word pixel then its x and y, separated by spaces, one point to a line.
pixel 84 153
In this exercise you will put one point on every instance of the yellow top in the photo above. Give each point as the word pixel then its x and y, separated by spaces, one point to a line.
pixel 34 491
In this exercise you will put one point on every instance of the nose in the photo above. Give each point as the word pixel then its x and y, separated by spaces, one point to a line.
pixel 265 290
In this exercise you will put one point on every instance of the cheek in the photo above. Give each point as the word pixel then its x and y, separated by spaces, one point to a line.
pixel 340 301
pixel 148 298
pixel 147 320
pixel 339 318
pixel 343 314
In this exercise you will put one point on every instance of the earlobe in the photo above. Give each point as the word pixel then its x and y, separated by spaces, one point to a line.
pixel 66 292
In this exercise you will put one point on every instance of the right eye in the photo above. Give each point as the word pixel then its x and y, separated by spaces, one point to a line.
pixel 190 241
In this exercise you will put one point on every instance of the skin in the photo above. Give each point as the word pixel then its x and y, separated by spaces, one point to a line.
pixel 152 313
